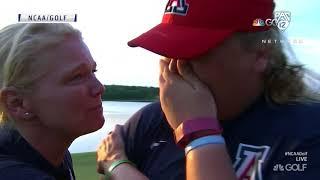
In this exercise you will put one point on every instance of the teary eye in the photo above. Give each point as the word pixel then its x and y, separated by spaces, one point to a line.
pixel 77 76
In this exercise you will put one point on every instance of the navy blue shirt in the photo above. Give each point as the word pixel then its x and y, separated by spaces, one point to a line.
pixel 19 161
pixel 267 141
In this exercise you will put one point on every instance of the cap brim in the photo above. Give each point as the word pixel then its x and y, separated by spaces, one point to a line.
pixel 179 42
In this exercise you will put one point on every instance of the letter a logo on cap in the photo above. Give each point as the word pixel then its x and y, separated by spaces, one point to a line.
pixel 179 7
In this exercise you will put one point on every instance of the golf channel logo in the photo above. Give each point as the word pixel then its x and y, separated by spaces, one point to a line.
pixel 281 20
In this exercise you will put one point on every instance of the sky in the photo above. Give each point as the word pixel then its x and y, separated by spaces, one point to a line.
pixel 106 27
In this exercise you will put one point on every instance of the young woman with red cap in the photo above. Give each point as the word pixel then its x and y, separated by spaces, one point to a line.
pixel 231 106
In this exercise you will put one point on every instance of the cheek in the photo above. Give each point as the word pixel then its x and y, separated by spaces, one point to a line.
pixel 200 71
pixel 73 103
pixel 209 73
pixel 74 98
pixel 62 104
pixel 220 78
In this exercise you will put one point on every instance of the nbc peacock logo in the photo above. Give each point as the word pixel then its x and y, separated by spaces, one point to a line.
pixel 258 22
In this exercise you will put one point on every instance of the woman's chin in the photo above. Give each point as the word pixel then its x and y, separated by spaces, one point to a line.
pixel 100 125
pixel 94 127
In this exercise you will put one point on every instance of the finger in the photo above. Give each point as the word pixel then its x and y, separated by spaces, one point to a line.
pixel 169 76
pixel 105 144
pixel 100 146
pixel 183 67
pixel 165 73
pixel 161 80
pixel 163 63
pixel 173 66
pixel 162 84
pixel 188 74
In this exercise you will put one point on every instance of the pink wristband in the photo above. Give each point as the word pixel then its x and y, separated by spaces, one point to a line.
pixel 195 128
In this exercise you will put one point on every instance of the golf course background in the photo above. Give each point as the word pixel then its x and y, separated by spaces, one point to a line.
pixel 84 165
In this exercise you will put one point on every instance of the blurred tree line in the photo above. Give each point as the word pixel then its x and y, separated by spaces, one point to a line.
pixel 130 93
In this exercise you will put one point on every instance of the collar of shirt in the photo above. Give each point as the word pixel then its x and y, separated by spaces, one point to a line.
pixel 13 145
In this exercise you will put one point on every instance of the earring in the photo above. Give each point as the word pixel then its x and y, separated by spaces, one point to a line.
pixel 27 115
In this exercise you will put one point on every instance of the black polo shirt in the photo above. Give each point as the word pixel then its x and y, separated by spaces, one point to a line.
pixel 19 161
pixel 267 141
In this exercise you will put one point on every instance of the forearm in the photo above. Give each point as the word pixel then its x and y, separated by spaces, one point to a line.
pixel 127 171
pixel 209 162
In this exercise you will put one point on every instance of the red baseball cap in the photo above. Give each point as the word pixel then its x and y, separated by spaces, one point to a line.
pixel 190 28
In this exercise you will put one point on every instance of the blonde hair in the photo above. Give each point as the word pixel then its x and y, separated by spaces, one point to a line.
pixel 19 46
pixel 285 79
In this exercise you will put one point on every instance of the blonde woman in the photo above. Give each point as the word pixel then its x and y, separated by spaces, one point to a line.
pixel 49 97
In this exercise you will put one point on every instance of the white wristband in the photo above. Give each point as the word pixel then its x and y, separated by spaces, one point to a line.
pixel 212 139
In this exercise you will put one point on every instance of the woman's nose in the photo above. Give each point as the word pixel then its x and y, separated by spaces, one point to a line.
pixel 97 88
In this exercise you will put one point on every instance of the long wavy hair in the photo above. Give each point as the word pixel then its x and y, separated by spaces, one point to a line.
pixel 285 79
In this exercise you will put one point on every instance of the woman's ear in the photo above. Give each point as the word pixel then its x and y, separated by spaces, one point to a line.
pixel 13 102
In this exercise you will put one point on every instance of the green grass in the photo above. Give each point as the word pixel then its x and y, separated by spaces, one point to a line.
pixel 84 165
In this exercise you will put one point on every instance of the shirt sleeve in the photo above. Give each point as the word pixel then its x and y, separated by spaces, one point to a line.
pixel 131 134
pixel 136 131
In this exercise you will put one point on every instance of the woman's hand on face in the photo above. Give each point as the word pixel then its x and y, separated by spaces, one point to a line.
pixel 111 149
pixel 182 95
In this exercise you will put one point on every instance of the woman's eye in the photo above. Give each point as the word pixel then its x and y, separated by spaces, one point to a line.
pixel 77 77
pixel 81 76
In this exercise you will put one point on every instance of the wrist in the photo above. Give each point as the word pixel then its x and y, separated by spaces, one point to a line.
pixel 115 158
pixel 196 128
pixel 117 163
pixel 204 141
